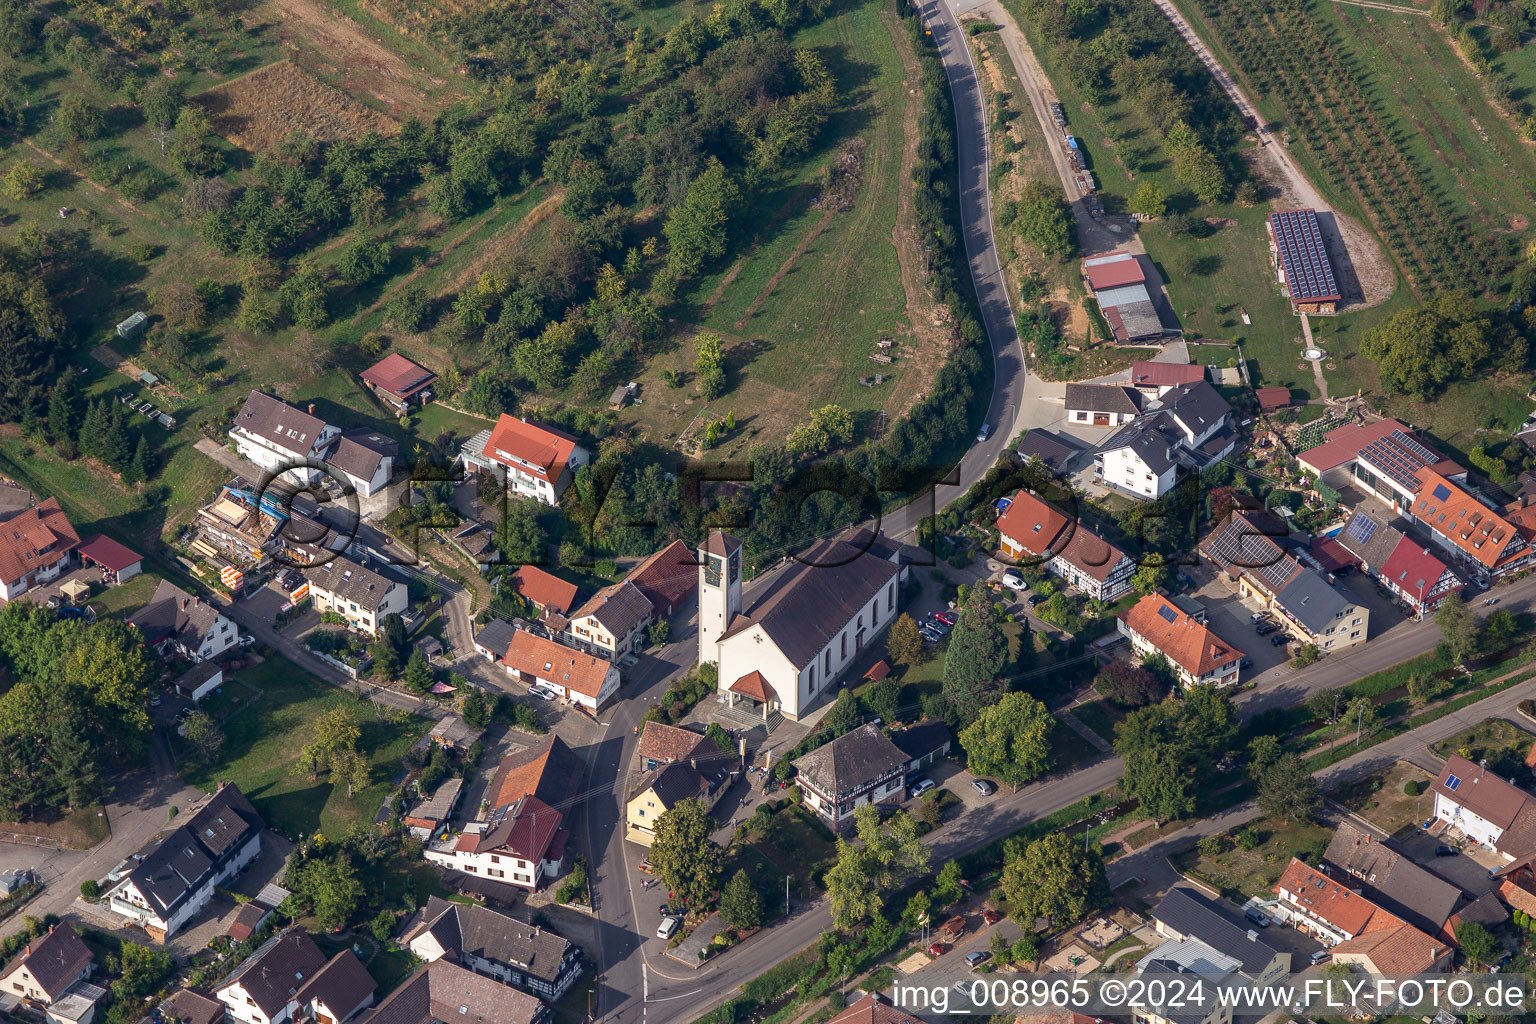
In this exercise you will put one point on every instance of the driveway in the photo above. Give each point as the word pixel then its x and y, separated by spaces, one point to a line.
pixel 1462 870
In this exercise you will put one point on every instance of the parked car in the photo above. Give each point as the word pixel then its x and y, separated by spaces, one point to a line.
pixel 154 701
pixel 1014 580
pixel 1034 599
pixel 948 618
pixel 1491 600
pixel 941 628
pixel 1280 638
pixel 984 433
pixel 1322 956
pixel 930 634
pixel 922 786
pixel 246 640
pixel 1257 916
pixel 1446 851
pixel 1265 628
pixel 668 926
pixel 990 916
pixel 539 692
pixel 937 948
pixel 983 786
pixel 1245 663
pixel 977 958
pixel 1258 617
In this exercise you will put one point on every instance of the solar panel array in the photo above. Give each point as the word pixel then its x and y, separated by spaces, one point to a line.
pixel 1361 528
pixel 1168 614
pixel 1307 270
pixel 1451 782
pixel 1399 457
pixel 1441 492
pixel 1414 445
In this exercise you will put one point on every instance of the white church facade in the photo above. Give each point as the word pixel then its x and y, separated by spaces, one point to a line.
pixel 787 647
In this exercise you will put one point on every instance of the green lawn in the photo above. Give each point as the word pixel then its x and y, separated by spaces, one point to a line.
pixel 795 844
pixel 1500 742
pixel 1255 872
pixel 263 741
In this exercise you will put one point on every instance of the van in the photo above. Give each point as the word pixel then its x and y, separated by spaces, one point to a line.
pixel 668 926
pixel 1257 916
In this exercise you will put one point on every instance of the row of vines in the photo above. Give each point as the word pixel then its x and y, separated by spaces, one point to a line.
pixel 1287 55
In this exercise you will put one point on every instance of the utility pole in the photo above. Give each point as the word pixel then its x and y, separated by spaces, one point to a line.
pixel 786 895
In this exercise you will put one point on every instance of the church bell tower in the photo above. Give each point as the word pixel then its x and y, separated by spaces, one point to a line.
pixel 719 591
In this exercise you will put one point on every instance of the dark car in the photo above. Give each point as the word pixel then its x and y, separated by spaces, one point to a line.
pixel 1245 663
pixel 1265 628
pixel 1034 599
pixel 1446 851
pixel 1283 638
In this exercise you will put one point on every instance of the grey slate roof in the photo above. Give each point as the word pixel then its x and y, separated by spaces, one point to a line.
pixel 482 932
pixel 618 608
pixel 444 991
pixel 1369 539
pixel 351 581
pixel 1155 440
pixel 1104 398
pixel 174 614
pixel 1392 881
pixel 677 782
pixel 851 760
pixel 342 985
pixel 1189 913
pixel 809 602
pixel 54 960
pixel 1197 405
pixel 274 973
pixel 1051 448
pixel 496 635
pixel 170 869
pixel 922 739
pixel 1310 599
pixel 359 452
pixel 279 423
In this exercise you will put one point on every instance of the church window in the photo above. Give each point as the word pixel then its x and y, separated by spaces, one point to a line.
pixel 826 662
pixel 844 654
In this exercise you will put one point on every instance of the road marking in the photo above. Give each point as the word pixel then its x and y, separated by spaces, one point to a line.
pixel 685 995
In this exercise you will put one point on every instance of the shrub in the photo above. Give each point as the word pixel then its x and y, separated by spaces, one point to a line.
pixel 89 889
pixel 1248 838
pixel 1413 787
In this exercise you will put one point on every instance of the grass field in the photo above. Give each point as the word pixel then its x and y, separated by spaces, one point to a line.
pixel 1380 799
pixel 794 844
pixel 1255 872
pixel 264 738
pixel 259 110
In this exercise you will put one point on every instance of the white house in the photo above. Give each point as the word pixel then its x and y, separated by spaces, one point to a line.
pixel 263 988
pixel 164 885
pixel 339 991
pixel 521 840
pixel 1033 530
pixel 276 436
pixel 533 460
pixel 1156 625
pixel 805 623
pixel 1475 802
pixel 356 593
pixel 364 460
pixel 526 956
pixel 1102 405
pixel 581 678
pixel 1186 429
pixel 175 620
pixel 612 623
pixel 857 768
pixel 36 546
pixel 49 966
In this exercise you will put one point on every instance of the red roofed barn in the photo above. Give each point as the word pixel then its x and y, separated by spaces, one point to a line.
pixel 399 382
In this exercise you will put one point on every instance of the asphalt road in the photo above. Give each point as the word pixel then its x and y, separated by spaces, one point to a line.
pixel 1009 371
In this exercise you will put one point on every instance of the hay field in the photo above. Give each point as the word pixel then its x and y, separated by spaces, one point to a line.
pixel 256 111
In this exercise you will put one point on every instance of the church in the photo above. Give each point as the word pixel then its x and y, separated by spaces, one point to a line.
pixel 785 649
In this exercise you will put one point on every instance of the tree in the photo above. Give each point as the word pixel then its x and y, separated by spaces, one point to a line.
pixel 1459 626
pixel 77 119
pixel 741 905
pixel 1324 704
pixel 1129 685
pixel 474 708
pixel 683 853
pixel 1500 630
pixel 407 308
pixel 1263 752
pixel 204 734
pixel 977 656
pixel 1055 878
pixel 418 674
pixel 331 888
pixel 1420 351
pixel 949 887
pixel 1423 688
pixel 1362 716
pixel 142 465
pixel 709 365
pixel 1207 721
pixel 363 260
pixel 884 857
pixel 853 898
pixel 22 181
pixel 1010 739
pixel 904 642
pixel 1150 577
pixel 334 731
pixel 161 101
pixel 697 229
pixel 1026 948
pixel 1148 200
pixel 386 659
pixel 828 427
pixel 1163 779
pixel 884 700
pixel 1288 791
pixel 1045 221
pixel 350 768
pixel 64 410
pixel 140 971
pixel 1478 945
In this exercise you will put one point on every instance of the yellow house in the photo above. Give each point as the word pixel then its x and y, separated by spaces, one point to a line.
pixel 674 783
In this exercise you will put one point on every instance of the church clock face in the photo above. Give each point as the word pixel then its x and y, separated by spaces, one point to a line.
pixel 712 571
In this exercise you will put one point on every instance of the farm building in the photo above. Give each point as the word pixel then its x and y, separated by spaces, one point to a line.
pixel 1120 287
pixel 399 382
pixel 1301 261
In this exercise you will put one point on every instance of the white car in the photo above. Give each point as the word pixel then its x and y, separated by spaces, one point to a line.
pixel 542 694
pixel 668 926
pixel 1014 581
pixel 246 640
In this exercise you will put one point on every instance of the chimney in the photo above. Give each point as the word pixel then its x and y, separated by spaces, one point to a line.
pixel 311 408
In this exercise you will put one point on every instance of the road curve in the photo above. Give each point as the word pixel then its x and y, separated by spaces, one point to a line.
pixel 1009 371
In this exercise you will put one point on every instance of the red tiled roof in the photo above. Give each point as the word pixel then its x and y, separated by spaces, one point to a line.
pixel 878 671
pixel 667 577
pixel 35 538
pixel 1466 522
pixel 536 656
pixel 1145 373
pixel 1187 643
pixel 873 1009
pixel 1273 398
pixel 1329 899
pixel 1037 526
pixel 542 451
pixel 1395 950
pixel 1342 444
pixel 398 376
pixel 755 686
pixel 544 589
pixel 667 743
pixel 105 551
pixel 1115 273
pixel 544 770
pixel 1412 567
pixel 1331 555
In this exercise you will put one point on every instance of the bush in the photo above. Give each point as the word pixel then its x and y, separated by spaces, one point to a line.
pixel 89 889
pixel 1413 787
pixel 1248 838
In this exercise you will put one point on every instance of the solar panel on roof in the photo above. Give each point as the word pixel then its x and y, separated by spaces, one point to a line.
pixel 1168 614
pixel 1451 782
pixel 1423 451
pixel 1302 253
pixel 1441 492
pixel 1361 528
